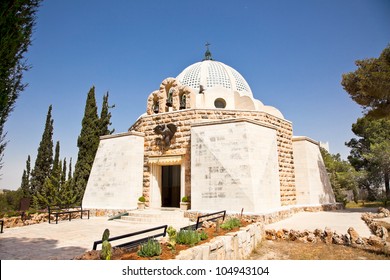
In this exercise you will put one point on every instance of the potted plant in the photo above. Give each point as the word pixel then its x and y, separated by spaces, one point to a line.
pixel 185 203
pixel 141 203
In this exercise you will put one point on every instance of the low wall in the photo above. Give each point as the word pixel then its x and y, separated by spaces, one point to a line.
pixel 236 245
pixel 271 217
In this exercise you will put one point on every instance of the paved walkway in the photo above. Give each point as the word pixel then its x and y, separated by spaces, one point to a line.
pixel 66 240
pixel 338 221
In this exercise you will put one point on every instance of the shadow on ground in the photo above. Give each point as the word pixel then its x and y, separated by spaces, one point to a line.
pixel 12 248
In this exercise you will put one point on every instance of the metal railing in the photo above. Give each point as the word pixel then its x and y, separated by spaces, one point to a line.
pixel 137 242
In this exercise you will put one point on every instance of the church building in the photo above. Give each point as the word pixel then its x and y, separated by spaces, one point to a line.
pixel 205 136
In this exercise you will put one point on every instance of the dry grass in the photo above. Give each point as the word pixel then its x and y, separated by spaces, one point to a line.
pixel 293 250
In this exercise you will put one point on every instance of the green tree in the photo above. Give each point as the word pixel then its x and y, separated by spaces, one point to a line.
pixel 105 117
pixel 369 85
pixel 342 175
pixel 87 143
pixel 56 171
pixel 17 20
pixel 25 185
pixel 371 152
pixel 44 160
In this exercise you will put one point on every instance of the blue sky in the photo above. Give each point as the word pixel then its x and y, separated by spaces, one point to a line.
pixel 292 54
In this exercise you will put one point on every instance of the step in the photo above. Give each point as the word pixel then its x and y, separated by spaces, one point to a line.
pixel 153 216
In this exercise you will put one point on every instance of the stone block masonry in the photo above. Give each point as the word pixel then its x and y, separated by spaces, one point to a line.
pixel 232 246
pixel 181 143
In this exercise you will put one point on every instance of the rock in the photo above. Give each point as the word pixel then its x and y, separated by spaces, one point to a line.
pixel 270 234
pixel 376 241
pixel 311 238
pixel 386 212
pixel 280 234
pixel 293 235
pixel 354 236
pixel 338 239
pixel 318 232
pixel 328 236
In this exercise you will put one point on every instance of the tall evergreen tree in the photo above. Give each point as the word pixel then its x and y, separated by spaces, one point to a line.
pixel 87 143
pixel 17 19
pixel 43 163
pixel 25 185
pixel 105 117
pixel 63 173
pixel 70 174
pixel 56 171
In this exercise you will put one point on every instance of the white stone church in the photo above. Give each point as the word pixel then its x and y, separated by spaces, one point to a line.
pixel 206 137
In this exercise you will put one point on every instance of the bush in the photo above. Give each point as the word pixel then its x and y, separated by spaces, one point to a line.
pixel 141 199
pixel 231 224
pixel 150 249
pixel 203 235
pixel 185 199
pixel 188 237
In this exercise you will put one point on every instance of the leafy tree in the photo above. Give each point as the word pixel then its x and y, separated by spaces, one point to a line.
pixel 342 175
pixel 371 152
pixel 43 163
pixel 369 85
pixel 17 20
pixel 25 185
pixel 87 143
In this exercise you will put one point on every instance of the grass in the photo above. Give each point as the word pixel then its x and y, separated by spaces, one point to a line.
pixel 365 204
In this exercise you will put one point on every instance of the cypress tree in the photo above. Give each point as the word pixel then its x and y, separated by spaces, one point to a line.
pixel 17 20
pixel 63 173
pixel 43 163
pixel 87 143
pixel 56 171
pixel 105 117
pixel 70 174
pixel 25 185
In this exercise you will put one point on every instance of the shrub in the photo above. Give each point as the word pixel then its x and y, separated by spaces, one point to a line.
pixel 150 249
pixel 141 199
pixel 231 224
pixel 188 237
pixel 203 235
pixel 185 199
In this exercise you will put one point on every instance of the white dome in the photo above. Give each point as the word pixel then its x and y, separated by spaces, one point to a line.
pixel 213 74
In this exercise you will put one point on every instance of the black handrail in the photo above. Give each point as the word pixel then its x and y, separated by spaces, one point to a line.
pixel 199 222
pixel 57 210
pixel 135 242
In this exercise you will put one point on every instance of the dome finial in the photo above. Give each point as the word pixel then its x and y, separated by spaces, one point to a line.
pixel 207 54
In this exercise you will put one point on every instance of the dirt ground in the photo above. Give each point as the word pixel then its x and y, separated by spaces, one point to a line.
pixel 293 250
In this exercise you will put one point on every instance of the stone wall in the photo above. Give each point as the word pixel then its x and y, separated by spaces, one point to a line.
pixel 232 246
pixel 180 144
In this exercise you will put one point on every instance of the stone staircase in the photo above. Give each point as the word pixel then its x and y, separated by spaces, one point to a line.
pixel 155 217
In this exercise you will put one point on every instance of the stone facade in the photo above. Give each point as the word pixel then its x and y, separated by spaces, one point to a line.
pixel 181 143
pixel 251 165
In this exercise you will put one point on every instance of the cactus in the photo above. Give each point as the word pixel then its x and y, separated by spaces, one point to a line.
pixel 106 253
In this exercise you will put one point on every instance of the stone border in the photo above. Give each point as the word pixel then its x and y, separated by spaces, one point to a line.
pixel 237 245
pixel 271 217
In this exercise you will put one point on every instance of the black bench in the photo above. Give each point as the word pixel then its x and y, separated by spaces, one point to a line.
pixel 2 224
pixel 137 242
pixel 207 217
pixel 69 210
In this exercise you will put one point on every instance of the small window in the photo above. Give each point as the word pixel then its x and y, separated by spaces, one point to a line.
pixel 220 103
